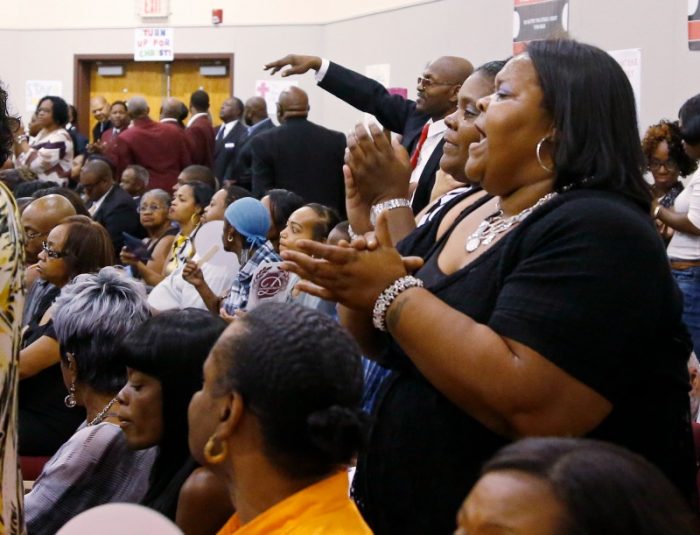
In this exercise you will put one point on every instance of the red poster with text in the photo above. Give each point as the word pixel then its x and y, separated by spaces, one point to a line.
pixel 694 25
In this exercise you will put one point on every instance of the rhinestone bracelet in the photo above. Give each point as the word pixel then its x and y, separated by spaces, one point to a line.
pixel 353 235
pixel 383 302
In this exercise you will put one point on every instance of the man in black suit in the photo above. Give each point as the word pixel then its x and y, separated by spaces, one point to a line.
pixel 99 107
pixel 420 122
pixel 258 121
pixel 109 204
pixel 228 135
pixel 300 156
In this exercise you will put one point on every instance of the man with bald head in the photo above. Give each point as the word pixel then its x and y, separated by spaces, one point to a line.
pixel 108 204
pixel 174 112
pixel 38 219
pixel 229 135
pixel 258 121
pixel 300 156
pixel 99 107
pixel 159 147
pixel 420 123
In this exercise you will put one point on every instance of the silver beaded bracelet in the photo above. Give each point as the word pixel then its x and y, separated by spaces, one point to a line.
pixel 353 235
pixel 383 302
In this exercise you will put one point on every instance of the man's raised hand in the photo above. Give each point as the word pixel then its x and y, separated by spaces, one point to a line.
pixel 296 64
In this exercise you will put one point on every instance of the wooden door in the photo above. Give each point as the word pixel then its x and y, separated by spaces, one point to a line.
pixel 140 78
pixel 185 79
pixel 154 80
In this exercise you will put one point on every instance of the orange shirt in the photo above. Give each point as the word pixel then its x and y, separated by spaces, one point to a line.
pixel 323 508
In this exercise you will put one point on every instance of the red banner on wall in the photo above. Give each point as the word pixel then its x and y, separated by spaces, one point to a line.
pixel 694 26
pixel 538 19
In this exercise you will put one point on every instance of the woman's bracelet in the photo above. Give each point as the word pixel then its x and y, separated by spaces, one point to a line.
pixel 387 297
pixel 656 211
pixel 353 235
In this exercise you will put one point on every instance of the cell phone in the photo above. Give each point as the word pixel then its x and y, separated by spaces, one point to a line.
pixel 136 247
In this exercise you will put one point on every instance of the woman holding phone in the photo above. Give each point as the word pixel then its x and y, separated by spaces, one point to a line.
pixel 153 214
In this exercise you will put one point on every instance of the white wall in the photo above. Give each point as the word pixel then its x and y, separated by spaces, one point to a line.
pixel 406 38
pixel 89 14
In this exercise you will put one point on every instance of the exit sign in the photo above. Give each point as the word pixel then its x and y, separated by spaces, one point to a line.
pixel 153 8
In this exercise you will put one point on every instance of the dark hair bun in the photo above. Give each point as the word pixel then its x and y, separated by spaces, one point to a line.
pixel 338 432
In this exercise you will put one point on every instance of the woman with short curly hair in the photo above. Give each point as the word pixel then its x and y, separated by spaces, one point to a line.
pixel 666 160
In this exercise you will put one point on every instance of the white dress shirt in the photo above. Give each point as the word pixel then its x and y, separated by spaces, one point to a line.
pixel 436 131
pixel 227 127
pixel 96 205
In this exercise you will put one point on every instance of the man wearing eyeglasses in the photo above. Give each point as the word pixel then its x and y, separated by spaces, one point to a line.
pixel 420 123
pixel 38 219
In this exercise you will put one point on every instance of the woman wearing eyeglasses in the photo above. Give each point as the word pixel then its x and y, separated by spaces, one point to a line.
pixel 153 214
pixel 667 161
pixel 684 218
pixel 77 245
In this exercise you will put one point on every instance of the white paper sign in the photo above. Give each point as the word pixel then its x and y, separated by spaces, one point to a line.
pixel 270 90
pixel 630 60
pixel 154 44
pixel 36 89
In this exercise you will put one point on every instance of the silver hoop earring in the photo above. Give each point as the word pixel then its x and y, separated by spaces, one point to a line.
pixel 539 158
pixel 69 400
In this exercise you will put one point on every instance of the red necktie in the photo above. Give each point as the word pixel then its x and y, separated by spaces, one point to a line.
pixel 419 146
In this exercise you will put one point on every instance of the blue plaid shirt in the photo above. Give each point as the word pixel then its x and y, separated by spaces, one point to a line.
pixel 237 298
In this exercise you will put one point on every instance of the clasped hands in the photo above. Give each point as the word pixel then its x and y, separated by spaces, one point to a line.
pixel 354 274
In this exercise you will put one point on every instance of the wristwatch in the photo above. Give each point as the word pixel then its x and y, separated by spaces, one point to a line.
pixel 387 205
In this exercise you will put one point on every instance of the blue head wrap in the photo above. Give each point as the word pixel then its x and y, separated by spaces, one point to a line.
pixel 250 218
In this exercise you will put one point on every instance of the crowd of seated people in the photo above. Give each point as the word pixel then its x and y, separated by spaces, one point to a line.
pixel 240 360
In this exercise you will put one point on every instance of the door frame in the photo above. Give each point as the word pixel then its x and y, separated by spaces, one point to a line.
pixel 81 76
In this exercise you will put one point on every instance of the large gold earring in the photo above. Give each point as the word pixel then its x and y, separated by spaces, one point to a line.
pixel 214 458
pixel 539 158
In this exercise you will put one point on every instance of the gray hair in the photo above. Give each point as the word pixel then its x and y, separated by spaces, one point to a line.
pixel 159 195
pixel 137 106
pixel 140 172
pixel 92 315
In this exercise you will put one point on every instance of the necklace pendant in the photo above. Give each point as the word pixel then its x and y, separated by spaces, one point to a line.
pixel 473 244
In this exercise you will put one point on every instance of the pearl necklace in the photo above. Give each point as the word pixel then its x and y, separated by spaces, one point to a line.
pixel 103 413
pixel 496 224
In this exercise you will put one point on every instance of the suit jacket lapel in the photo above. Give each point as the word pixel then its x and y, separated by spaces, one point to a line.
pixel 219 142
pixel 104 204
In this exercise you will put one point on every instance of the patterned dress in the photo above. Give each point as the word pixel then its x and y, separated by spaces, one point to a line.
pixel 50 156
pixel 11 303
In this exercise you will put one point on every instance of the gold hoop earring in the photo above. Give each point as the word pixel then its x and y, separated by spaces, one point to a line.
pixel 214 458
pixel 194 218
pixel 229 238
pixel 539 158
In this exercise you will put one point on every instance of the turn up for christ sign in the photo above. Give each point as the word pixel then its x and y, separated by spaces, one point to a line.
pixel 154 44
